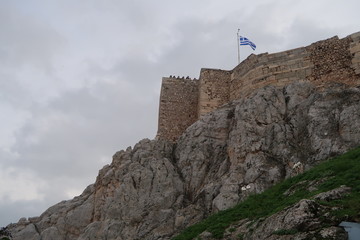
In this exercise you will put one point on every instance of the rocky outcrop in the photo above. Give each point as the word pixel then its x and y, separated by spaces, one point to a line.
pixel 158 188
pixel 301 221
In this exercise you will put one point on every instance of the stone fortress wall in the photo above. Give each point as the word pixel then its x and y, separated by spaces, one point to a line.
pixel 178 106
pixel 184 101
pixel 213 89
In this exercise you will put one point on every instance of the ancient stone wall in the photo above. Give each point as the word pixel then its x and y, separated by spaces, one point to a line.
pixel 178 106
pixel 276 69
pixel 355 52
pixel 332 62
pixel 183 101
pixel 213 89
pixel 329 61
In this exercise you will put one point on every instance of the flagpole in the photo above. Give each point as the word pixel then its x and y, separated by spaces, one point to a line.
pixel 238 45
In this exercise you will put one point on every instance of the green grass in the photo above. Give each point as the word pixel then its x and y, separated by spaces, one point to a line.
pixel 342 170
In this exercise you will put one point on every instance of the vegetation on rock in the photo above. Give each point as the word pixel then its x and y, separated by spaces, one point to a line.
pixel 331 174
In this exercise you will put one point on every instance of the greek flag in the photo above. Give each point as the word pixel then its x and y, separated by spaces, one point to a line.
pixel 245 41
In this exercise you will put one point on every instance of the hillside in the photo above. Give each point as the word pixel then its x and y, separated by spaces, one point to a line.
pixel 159 187
pixel 310 205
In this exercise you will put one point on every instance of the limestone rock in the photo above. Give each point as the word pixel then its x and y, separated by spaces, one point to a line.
pixel 27 231
pixel 158 188
pixel 334 194
pixel 334 233
pixel 303 219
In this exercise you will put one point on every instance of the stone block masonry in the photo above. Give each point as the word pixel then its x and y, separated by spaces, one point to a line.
pixel 277 69
pixel 332 62
pixel 183 101
pixel 355 52
pixel 213 89
pixel 178 106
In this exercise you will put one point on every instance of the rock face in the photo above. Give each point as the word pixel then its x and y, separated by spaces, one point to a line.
pixel 158 188
pixel 306 215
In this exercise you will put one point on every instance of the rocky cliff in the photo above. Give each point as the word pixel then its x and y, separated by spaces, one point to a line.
pixel 158 188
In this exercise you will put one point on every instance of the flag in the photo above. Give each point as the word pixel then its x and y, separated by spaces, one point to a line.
pixel 245 41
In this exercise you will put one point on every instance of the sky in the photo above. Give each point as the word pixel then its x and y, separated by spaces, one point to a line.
pixel 80 80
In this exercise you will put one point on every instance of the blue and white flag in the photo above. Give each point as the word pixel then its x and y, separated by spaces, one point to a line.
pixel 245 41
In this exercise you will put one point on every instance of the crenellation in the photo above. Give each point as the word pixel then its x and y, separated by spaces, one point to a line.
pixel 183 77
pixel 185 100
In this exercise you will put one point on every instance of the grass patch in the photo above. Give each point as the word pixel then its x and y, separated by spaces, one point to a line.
pixel 342 170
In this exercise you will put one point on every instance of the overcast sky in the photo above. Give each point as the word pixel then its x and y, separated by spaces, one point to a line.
pixel 80 80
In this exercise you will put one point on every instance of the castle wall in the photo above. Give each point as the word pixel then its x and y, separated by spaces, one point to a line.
pixel 183 101
pixel 332 62
pixel 355 52
pixel 213 89
pixel 324 62
pixel 178 106
pixel 276 69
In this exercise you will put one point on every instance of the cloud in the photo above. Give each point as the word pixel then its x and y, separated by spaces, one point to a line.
pixel 20 185
pixel 12 119
pixel 57 140
pixel 26 41
pixel 13 210
pixel 67 141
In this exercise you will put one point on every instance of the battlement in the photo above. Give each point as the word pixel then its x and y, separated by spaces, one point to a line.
pixel 177 77
pixel 184 100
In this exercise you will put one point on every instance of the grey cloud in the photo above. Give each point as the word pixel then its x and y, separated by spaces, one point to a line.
pixel 11 212
pixel 74 132
pixel 25 40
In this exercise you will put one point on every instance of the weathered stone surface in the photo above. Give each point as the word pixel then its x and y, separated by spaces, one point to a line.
pixel 334 194
pixel 157 188
pixel 213 90
pixel 52 233
pixel 137 194
pixel 334 233
pixel 303 221
pixel 178 107
pixel 27 231
pixel 302 216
